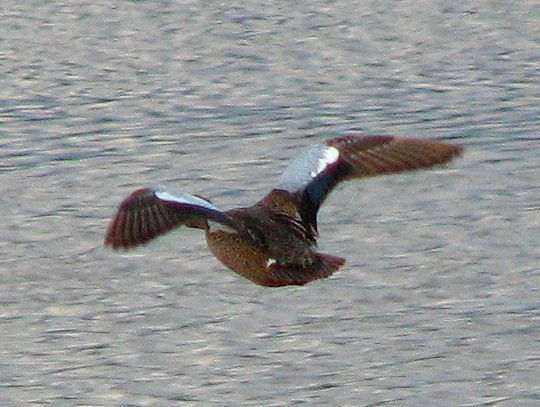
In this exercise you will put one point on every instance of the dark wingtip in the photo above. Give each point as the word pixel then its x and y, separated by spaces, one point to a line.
pixel 113 238
pixel 457 150
pixel 110 241
pixel 126 232
pixel 453 151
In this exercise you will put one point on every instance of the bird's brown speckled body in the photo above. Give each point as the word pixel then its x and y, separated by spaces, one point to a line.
pixel 273 243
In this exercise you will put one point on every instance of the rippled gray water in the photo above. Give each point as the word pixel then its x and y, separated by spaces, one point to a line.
pixel 438 302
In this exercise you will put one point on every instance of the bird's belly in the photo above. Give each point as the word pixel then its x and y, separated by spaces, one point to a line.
pixel 238 254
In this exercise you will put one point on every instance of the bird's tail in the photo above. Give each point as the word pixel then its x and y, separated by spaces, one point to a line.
pixel 323 265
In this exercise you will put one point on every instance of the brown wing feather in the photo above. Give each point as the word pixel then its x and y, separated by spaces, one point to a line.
pixel 377 155
pixel 142 216
pixel 365 156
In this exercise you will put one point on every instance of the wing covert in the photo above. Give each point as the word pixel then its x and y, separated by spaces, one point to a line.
pixel 149 212
pixel 313 174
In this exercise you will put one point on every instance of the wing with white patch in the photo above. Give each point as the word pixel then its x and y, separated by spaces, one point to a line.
pixel 378 155
pixel 307 166
pixel 150 212
pixel 314 173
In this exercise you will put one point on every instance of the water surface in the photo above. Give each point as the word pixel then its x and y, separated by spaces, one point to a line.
pixel 438 302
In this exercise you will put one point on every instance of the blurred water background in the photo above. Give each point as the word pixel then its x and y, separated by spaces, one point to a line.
pixel 438 304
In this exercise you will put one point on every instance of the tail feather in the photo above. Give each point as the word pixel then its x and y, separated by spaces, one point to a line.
pixel 323 265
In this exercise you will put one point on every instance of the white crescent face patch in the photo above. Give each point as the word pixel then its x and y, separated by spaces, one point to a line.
pixel 307 166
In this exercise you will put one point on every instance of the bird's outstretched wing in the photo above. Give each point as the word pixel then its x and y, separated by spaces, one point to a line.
pixel 312 175
pixel 150 212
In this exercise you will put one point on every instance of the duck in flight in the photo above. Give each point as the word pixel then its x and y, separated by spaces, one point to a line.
pixel 273 243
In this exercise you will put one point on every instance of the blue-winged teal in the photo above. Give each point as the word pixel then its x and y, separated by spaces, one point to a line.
pixel 273 242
